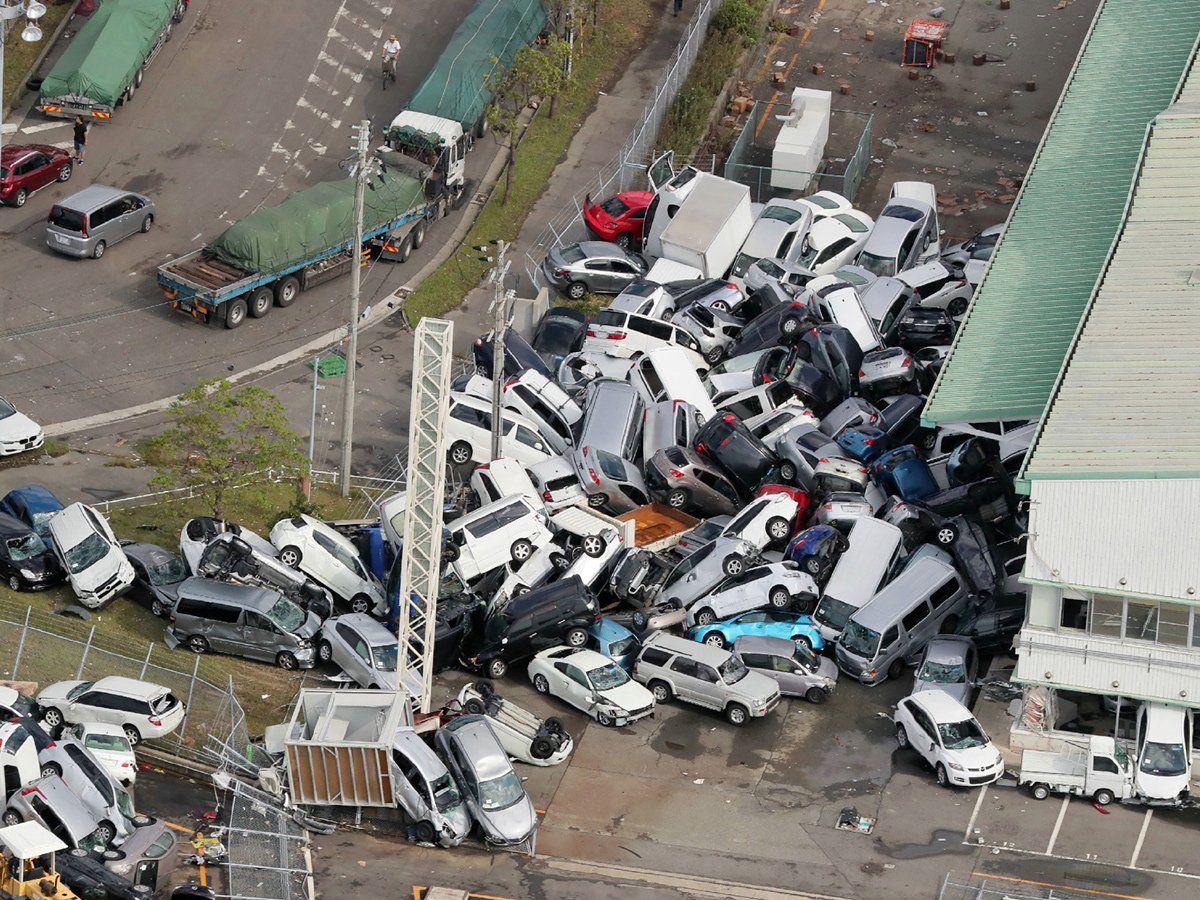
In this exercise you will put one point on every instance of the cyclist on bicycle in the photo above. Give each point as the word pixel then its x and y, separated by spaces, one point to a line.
pixel 391 52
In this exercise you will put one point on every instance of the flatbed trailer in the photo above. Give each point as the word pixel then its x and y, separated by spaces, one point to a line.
pixel 658 527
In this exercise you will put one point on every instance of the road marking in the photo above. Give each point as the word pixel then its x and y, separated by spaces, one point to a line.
pixel 1137 848
pixel 64 145
pixel 1051 884
pixel 974 814
pixel 349 44
pixel 353 74
pixel 364 24
pixel 44 126
pixel 1062 812
pixel 702 887
pixel 316 79
pixel 8 128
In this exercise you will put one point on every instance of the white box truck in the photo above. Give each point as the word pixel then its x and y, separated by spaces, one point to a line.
pixel 710 227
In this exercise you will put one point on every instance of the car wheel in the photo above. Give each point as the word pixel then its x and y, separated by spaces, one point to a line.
pixel 733 565
pixel 290 556
pixel 324 651
pixel 12 817
pixel 286 291
pixel 780 598
pixel 736 714
pixel 460 453
pixel 134 736
pixel 714 356
pixel 947 534
pixel 418 236
pixel 105 832
pixel 901 737
pixel 1040 791
pixel 98 250
pixel 949 625
pixel 360 604
pixel 593 545
pixel 424 832
pixel 541 748
pixel 640 621
pixel 595 501
pixel 896 669
pixel 235 313
pixel 787 472
pixel 623 240
pixel 803 640
pixel 942 778
pixel 719 306
pixel 577 637
pixel 815 695
pixel 540 684
pixel 52 717
pixel 715 639
pixel 158 608
pixel 576 290
pixel 51 768
pixel 558 560
pixel 790 325
pixel 497 668
pixel 705 617
pixel 65 173
pixel 14 582
pixel 484 688
pixel 521 550
pixel 957 307
pixel 147 224
pixel 197 644
pixel 661 691
pixel 405 250
pixel 20 197
pixel 779 528
pixel 261 302
pixel 677 499
pixel 474 706
pixel 1103 796
pixel 287 661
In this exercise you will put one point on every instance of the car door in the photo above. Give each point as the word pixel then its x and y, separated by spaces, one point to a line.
pixel 260 637
pixel 683 680
pixel 39 172
pixel 128 219
pixel 327 566
pixel 574 685
pixel 708 687
pixel 788 674
pixel 750 623
pixel 353 654
pixel 749 593
pixel 599 275
pixel 94 706
pixel 140 589
pixel 410 787
pixel 222 627
pixel 927 740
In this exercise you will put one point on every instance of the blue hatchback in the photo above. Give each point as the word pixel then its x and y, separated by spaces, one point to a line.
pixel 781 623
pixel 615 641
pixel 865 443
pixel 34 505
pixel 816 549
pixel 904 473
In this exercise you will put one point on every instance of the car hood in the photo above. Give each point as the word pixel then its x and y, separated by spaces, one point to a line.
pixel 629 696
pixel 1159 787
pixel 17 426
pixel 310 628
pixel 827 669
pixel 755 686
pixel 99 571
pixel 975 757
pixel 57 692
pixel 957 691
pixel 511 824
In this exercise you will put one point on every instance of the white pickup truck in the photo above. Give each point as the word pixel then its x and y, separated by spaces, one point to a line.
pixel 1101 771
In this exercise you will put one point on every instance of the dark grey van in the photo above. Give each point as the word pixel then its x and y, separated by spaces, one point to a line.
pixel 242 620
pixel 87 223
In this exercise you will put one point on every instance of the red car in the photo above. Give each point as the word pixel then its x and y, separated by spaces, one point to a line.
pixel 26 168
pixel 803 501
pixel 618 219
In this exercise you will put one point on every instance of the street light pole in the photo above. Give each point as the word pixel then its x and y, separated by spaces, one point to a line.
pixel 11 10
pixel 362 147
pixel 499 310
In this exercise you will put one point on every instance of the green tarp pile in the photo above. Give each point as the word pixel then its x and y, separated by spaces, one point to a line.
pixel 489 37
pixel 312 221
pixel 108 50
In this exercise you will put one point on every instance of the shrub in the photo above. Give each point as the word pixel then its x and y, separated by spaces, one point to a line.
pixel 737 17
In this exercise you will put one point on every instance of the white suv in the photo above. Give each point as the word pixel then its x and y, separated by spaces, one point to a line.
pixel 88 549
pixel 143 710
pixel 948 738
pixel 330 558
pixel 469 432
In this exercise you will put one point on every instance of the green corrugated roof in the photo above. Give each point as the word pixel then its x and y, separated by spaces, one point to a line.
pixel 1015 336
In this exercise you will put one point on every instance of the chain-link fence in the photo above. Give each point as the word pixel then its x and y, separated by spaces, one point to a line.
pixel 847 154
pixel 37 647
pixel 629 164
pixel 268 849
pixel 980 886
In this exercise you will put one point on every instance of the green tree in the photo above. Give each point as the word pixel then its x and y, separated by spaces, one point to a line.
pixel 218 435
pixel 510 95
pixel 546 71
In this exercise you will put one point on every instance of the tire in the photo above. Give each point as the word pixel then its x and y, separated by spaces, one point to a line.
pixel 12 817
pixel 576 637
pixel 706 617
pixel 360 603
pixel 737 715
pixel 559 561
pixel 98 250
pixel 946 534
pixel 595 501
pixel 803 639
pixel 51 768
pixel 286 291
pixel 815 695
pixel 940 773
pixel 1103 796
pixel 460 453
pixel 719 306
pixel 957 307
pixel 541 748
pixel 14 582
pixel 147 224
pixel 789 326
pixel 106 832
pixel 424 832
pixel 677 499
pixel 497 668
pixel 475 706
pixel 235 313
pixel 778 529
pixel 197 644
pixel 324 651
pixel 733 565
pixel 554 725
pixel 594 546
pixel 540 684
pixel 521 589
pixel 1040 791
pixel 20 197
pixel 418 236
pixel 521 550
pixel 158 608
pixel 623 240
pixel 780 598
pixel 576 290
pixel 896 669
pixel 714 356
pixel 291 556
pixel 405 250
pixel 901 737
pixel 65 173
pixel 287 661
pixel 715 639
pixel 261 302
pixel 787 472
pixel 661 691
pixel 52 717
pixel 134 736
pixel 138 76
pixel 949 625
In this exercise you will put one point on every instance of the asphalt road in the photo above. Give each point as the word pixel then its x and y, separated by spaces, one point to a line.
pixel 231 116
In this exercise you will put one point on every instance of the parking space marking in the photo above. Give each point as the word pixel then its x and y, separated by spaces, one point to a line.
pixel 1051 884
pixel 974 814
pixel 1062 813
pixel 1137 848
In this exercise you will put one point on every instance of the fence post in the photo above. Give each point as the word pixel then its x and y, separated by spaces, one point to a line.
pixel 187 707
pixel 83 658
pixel 232 711
pixel 21 642
pixel 146 663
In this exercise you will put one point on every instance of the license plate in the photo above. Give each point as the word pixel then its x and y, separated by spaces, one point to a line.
pixel 61 239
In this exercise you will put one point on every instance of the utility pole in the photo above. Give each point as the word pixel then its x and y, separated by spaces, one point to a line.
pixel 499 324
pixel 362 147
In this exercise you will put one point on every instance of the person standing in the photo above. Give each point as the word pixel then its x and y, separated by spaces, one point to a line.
pixel 81 130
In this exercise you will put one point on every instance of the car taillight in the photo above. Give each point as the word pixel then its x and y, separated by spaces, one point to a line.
pixel 870 442
pixel 126 765
pixel 50 745
pixel 827 506
pixel 862 470
pixel 510 382
pixel 862 373
pixel 731 285
pixel 823 459
pixel 700 448
pixel 595 477
pixel 907 362
pixel 546 496
pixel 616 335
pixel 675 473
pixel 590 333
pixel 728 417
pixel 83 227
pixel 154 720
pixel 560 272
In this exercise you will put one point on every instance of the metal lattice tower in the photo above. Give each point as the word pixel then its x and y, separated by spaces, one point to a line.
pixel 420 563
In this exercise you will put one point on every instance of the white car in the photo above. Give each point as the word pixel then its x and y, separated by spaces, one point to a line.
pixel 535 571
pixel 89 551
pixel 111 748
pixel 595 558
pixel 777 585
pixel 544 403
pixel 591 682
pixel 617 333
pixel 469 433
pixel 1164 752
pixel 556 483
pixel 937 287
pixel 768 520
pixel 948 738
pixel 199 532
pixel 773 424
pixel 329 558
pixel 144 710
pixel 833 241
pixel 826 203
pixel 100 792
pixel 781 225
pixel 18 432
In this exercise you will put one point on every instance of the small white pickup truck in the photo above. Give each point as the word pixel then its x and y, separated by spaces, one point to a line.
pixel 1101 771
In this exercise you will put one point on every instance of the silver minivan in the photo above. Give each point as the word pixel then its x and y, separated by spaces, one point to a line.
pixel 427 792
pixel 894 626
pixel 90 221
pixel 875 547
pixel 610 438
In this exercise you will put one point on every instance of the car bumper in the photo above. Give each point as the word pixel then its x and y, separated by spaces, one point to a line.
pixel 972 778
pixel 757 712
pixel 628 718
pixel 552 279
pixel 24 445
pixel 68 246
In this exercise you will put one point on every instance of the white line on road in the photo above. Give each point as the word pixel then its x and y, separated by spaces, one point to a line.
pixel 64 145
pixel 974 814
pixel 363 23
pixel 320 82
pixel 8 128
pixel 43 126
pixel 1137 848
pixel 353 74
pixel 349 44
pixel 1062 813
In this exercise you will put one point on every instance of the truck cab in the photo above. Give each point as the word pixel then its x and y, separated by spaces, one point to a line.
pixel 430 138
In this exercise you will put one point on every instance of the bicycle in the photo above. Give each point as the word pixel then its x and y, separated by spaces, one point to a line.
pixel 389 70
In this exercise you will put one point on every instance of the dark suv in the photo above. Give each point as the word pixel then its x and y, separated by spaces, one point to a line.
pixel 730 444
pixel 558 613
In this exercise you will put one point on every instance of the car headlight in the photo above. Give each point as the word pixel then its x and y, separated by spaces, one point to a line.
pixel 304 644
pixel 29 574
pixel 955 766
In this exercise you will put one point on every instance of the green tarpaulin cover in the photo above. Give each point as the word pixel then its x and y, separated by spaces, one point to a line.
pixel 312 221
pixel 491 35
pixel 104 56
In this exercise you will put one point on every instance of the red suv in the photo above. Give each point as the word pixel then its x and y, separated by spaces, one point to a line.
pixel 618 219
pixel 26 168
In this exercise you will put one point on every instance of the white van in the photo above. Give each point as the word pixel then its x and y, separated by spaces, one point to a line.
pixel 618 333
pixel 509 530
pixel 667 374
pixel 501 478
pixel 85 544
pixel 469 431
pixel 547 405
pixel 875 548
pixel 840 304
pixel 671 423
pixel 926 193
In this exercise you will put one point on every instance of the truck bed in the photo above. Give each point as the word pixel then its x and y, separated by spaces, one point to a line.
pixel 205 271
pixel 1053 767
pixel 658 527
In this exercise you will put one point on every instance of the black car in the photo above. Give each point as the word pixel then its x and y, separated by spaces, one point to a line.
pixel 994 624
pixel 82 871
pixel 557 613
pixel 835 351
pixel 900 417
pixel 558 334
pixel 725 296
pixel 518 355
pixel 26 563
pixel 918 327
pixel 780 323
pixel 729 443
pixel 157 574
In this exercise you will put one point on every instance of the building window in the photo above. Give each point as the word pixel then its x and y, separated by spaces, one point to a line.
pixel 1173 621
pixel 1074 613
pixel 1151 621
pixel 1107 613
pixel 1141 620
